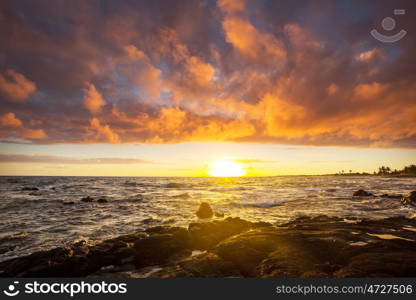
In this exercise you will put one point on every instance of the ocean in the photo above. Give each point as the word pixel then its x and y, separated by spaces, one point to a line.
pixel 35 214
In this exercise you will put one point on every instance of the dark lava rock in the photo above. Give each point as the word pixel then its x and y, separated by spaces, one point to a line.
pixel 30 189
pixel 68 202
pixel 204 211
pixel 87 199
pixel 207 235
pixel 102 200
pixel 219 214
pixel 298 256
pixel 319 246
pixel 158 248
pixel 40 264
pixel 362 193
pixel 380 264
pixel 150 220
pixel 409 199
pixel 80 259
pixel 205 265
pixel 246 250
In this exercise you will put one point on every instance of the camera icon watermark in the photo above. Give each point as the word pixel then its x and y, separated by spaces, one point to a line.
pixel 11 290
pixel 389 24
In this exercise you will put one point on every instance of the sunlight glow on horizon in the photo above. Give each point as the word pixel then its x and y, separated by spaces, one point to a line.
pixel 226 168
pixel 193 159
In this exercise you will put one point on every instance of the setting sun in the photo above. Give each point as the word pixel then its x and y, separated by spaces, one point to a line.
pixel 226 168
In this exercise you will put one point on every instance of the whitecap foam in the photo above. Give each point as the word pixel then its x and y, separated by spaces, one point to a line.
pixel 389 237
pixel 360 244
pixel 409 228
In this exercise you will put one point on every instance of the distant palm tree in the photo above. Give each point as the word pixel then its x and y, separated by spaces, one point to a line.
pixel 407 170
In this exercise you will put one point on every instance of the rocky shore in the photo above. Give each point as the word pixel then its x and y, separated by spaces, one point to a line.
pixel 305 247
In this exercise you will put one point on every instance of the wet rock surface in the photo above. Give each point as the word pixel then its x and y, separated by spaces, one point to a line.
pixel 409 199
pixel 318 246
pixel 87 199
pixel 204 211
pixel 362 193
pixel 68 202
pixel 30 189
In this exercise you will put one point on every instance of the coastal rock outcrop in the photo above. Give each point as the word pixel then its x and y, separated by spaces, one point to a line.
pixel 68 202
pixel 219 214
pixel 204 211
pixel 160 246
pixel 362 193
pixel 87 199
pixel 318 246
pixel 206 264
pixel 207 235
pixel 30 189
pixel 409 199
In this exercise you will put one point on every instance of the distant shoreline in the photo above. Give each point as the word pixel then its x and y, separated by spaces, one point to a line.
pixel 371 175
pixel 212 177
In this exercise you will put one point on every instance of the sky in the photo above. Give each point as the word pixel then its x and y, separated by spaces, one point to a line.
pixel 165 88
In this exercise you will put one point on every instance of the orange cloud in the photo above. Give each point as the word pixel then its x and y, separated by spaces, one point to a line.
pixel 370 55
pixel 103 132
pixel 192 76
pixel 11 126
pixel 10 120
pixel 332 89
pixel 148 76
pixel 369 91
pixel 34 134
pixel 15 86
pixel 240 71
pixel 231 6
pixel 281 118
pixel 93 101
pixel 252 43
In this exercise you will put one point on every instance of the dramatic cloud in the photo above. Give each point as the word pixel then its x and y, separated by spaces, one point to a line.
pixel 11 126
pixel 93 100
pixel 303 72
pixel 257 46
pixel 15 86
pixel 103 132
pixel 143 74
pixel 10 120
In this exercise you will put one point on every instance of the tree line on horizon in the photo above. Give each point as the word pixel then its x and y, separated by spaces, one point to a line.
pixel 384 170
pixel 408 170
